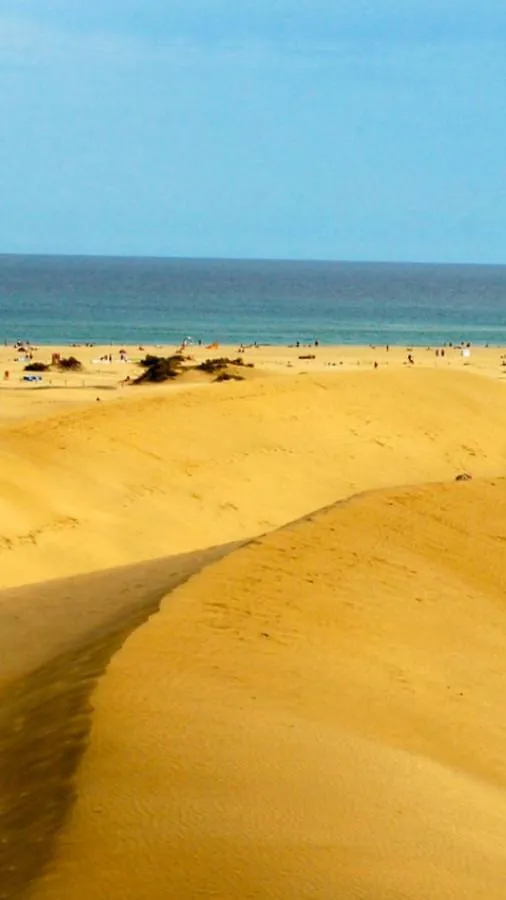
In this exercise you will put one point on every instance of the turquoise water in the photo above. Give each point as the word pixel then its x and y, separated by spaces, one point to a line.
pixel 154 301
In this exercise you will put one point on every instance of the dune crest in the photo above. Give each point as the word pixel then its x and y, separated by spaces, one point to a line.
pixel 147 477
pixel 317 715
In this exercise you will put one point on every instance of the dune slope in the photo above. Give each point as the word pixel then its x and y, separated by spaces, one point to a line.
pixel 320 714
pixel 149 477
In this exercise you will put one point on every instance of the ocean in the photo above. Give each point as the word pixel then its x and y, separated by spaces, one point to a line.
pixel 65 300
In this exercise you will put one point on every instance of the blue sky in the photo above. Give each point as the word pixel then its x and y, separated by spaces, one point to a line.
pixel 263 128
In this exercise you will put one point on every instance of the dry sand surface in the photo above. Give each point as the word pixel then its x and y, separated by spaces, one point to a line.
pixel 151 476
pixel 318 715
pixel 279 729
pixel 104 379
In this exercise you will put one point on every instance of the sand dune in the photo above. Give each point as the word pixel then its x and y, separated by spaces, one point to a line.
pixel 320 714
pixel 154 476
pixel 297 721
pixel 56 639
pixel 39 622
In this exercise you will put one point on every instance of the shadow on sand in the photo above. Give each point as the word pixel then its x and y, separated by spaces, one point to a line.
pixel 45 711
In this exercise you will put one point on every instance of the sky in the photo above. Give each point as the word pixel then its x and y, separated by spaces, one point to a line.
pixel 304 129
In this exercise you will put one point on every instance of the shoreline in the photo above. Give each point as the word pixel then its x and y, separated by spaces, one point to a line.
pixel 107 375
pixel 92 349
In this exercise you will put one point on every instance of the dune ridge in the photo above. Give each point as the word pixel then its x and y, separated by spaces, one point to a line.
pixel 156 476
pixel 144 478
pixel 55 641
pixel 318 715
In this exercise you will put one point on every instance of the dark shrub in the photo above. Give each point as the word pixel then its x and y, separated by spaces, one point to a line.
pixel 228 376
pixel 36 367
pixel 149 360
pixel 159 368
pixel 221 362
pixel 69 363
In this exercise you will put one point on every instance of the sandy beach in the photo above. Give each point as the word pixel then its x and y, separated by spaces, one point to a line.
pixel 317 715
pixel 315 711
pixel 104 370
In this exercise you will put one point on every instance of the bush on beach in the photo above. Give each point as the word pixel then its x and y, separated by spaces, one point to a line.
pixel 221 362
pixel 228 376
pixel 159 368
pixel 69 363
pixel 151 360
pixel 36 367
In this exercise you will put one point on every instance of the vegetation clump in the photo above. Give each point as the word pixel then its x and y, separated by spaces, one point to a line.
pixel 221 362
pixel 69 363
pixel 159 368
pixel 36 367
pixel 228 376
pixel 151 360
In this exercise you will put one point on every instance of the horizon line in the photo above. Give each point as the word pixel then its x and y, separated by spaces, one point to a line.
pixel 246 259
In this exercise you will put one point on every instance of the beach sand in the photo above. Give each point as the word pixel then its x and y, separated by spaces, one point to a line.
pixel 104 379
pixel 169 472
pixel 316 715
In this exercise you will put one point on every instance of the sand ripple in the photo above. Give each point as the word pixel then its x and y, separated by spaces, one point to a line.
pixel 317 715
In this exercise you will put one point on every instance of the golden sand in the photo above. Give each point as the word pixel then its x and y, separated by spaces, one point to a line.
pixel 318 714
pixel 105 380
pixel 151 476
